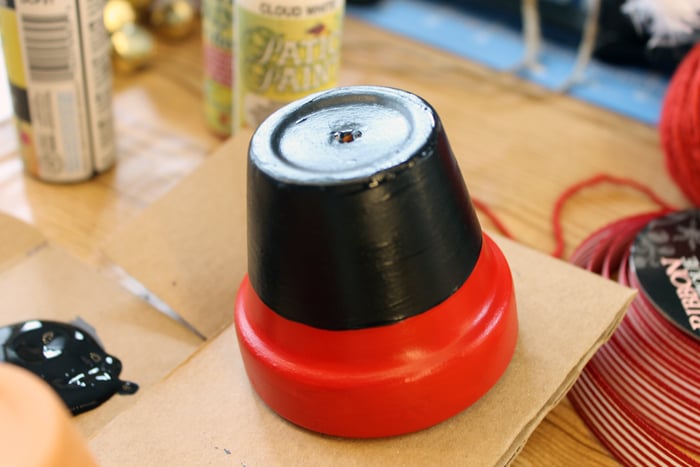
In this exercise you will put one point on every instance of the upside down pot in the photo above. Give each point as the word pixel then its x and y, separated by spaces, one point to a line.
pixel 374 304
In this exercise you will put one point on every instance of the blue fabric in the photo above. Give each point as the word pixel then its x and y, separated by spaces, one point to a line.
pixel 633 92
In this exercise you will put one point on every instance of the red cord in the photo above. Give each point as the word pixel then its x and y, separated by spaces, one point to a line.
pixel 679 126
pixel 565 196
pixel 596 180
pixel 633 394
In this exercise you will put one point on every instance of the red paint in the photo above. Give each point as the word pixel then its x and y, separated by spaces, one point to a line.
pixel 385 380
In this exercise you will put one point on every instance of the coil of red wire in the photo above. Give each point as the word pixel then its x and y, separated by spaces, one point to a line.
pixel 640 393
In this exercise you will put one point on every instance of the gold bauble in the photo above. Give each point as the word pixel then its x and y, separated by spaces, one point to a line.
pixel 132 47
pixel 117 13
pixel 173 19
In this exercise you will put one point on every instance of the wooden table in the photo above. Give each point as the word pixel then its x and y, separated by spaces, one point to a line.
pixel 525 146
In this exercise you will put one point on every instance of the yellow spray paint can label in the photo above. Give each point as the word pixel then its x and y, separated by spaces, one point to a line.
pixel 284 50
pixel 59 71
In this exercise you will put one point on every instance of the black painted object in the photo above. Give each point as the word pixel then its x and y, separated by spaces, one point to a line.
pixel 358 215
pixel 68 358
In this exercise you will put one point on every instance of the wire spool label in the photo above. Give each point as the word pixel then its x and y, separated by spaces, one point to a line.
pixel 666 260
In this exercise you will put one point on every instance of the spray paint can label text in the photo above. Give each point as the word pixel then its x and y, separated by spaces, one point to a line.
pixel 59 70
pixel 286 50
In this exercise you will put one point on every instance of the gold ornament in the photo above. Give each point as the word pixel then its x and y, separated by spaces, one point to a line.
pixel 132 47
pixel 173 19
pixel 117 13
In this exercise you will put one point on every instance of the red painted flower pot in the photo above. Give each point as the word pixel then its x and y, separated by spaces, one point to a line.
pixel 374 304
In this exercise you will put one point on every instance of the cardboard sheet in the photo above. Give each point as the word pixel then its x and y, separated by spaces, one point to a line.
pixel 17 241
pixel 206 413
pixel 189 249
pixel 40 281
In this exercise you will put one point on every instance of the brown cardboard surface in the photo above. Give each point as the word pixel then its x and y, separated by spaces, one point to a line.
pixel 206 413
pixel 188 248
pixel 40 281
pixel 17 240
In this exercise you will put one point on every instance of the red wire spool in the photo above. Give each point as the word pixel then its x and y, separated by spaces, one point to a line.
pixel 640 393
pixel 374 305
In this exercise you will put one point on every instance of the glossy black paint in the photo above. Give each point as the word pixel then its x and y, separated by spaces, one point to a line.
pixel 68 358
pixel 358 215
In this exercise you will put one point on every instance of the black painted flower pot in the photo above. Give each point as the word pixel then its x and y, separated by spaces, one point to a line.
pixel 374 305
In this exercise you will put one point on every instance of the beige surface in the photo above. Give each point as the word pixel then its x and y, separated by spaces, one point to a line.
pixel 40 281
pixel 17 241
pixel 189 249
pixel 211 408
pixel 522 147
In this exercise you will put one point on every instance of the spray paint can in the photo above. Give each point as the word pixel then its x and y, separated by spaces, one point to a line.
pixel 58 64
pixel 284 50
pixel 217 38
